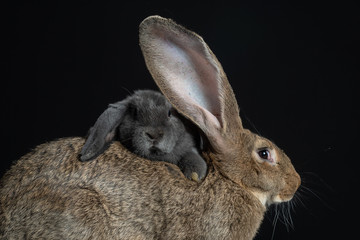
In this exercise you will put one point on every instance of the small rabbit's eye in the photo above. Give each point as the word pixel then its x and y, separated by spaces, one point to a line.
pixel 133 111
pixel 169 113
pixel 264 154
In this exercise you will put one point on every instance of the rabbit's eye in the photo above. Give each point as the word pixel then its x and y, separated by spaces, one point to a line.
pixel 132 110
pixel 169 113
pixel 267 155
pixel 264 154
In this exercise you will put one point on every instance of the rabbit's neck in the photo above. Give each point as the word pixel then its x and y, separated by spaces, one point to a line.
pixel 238 207
pixel 239 210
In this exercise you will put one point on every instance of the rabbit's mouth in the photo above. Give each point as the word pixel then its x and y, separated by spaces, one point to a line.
pixel 281 198
pixel 268 200
pixel 156 151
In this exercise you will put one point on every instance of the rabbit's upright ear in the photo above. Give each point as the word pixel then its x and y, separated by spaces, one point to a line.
pixel 191 77
pixel 104 130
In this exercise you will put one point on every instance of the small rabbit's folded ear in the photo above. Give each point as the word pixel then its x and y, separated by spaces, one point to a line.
pixel 190 76
pixel 104 130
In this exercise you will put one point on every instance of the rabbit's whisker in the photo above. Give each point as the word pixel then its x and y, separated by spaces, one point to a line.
pixel 276 217
pixel 313 178
pixel 311 185
pixel 316 195
pixel 251 123
pixel 282 213
pixel 127 90
pixel 290 208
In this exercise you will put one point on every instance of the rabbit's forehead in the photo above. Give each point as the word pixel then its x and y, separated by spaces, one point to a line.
pixel 261 142
pixel 153 109
pixel 151 102
pixel 254 141
pixel 155 105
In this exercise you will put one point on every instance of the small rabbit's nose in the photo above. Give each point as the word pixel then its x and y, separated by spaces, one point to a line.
pixel 154 135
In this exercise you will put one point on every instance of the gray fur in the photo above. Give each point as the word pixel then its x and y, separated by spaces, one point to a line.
pixel 150 127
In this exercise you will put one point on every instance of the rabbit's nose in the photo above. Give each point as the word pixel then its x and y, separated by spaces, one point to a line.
pixel 154 135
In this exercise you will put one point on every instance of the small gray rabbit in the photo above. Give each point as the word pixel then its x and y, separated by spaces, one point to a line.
pixel 147 124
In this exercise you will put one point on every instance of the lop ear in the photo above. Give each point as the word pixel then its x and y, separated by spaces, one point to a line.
pixel 104 130
pixel 190 76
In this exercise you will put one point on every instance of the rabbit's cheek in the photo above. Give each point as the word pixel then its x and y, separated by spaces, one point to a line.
pixel 140 144
pixel 264 189
pixel 167 144
pixel 257 181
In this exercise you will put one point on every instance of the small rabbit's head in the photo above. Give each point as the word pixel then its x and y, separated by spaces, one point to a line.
pixel 191 77
pixel 152 127
pixel 146 124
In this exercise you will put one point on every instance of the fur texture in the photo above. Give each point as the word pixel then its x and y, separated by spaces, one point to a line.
pixel 50 194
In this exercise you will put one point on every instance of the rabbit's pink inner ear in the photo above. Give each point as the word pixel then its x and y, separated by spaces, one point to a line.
pixel 185 70
pixel 193 79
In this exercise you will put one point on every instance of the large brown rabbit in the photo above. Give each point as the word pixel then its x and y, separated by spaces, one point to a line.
pixel 50 194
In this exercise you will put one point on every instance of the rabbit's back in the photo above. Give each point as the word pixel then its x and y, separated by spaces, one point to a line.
pixel 50 194
pixel 40 190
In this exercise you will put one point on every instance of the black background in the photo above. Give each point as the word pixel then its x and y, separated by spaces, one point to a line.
pixel 291 65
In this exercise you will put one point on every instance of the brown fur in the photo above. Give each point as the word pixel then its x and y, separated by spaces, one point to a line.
pixel 50 194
